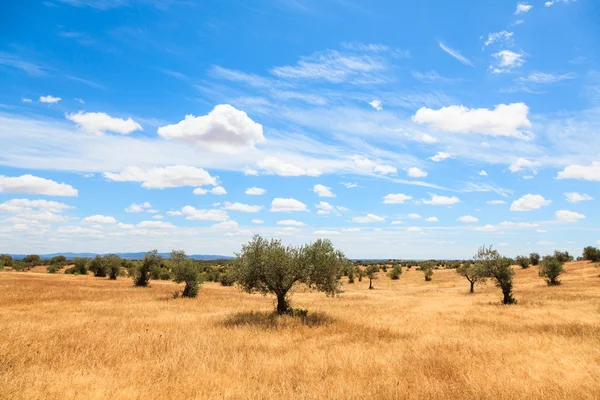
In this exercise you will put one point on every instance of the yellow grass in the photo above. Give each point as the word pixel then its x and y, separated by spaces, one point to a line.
pixel 79 337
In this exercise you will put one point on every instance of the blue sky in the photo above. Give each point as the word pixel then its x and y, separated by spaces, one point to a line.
pixel 414 129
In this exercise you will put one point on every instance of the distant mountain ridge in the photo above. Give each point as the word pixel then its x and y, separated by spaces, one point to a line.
pixel 127 256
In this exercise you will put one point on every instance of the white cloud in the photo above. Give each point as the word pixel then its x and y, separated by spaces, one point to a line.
pixel 192 213
pixel 323 191
pixel 325 232
pixel 415 172
pixel 287 205
pixel 368 218
pixel 100 123
pixel 496 202
pixel 425 138
pixel 21 205
pixel 398 198
pixel 588 173
pixel 29 184
pixel 437 200
pixel 414 229
pixel 155 225
pixel 258 221
pixel 349 185
pixel 503 120
pixel 440 156
pixel 351 229
pixel 250 172
pixel 218 190
pixel 568 216
pixel 26 100
pixel 545 243
pixel 80 101
pixel 482 173
pixel 523 8
pixel 254 191
pixel 512 224
pixel 99 219
pixel 468 219
pixel 136 208
pixel 551 3
pixel 164 177
pixel 324 208
pixel 431 219
pixel 397 222
pixel 174 213
pixel 575 197
pixel 242 207
pixel 376 104
pixel 367 165
pixel 413 216
pixel 224 130
pixel 498 37
pixel 49 99
pixel 529 202
pixel 545 78
pixel 226 225
pixel 506 60
pixel 486 228
pixel 521 164
pixel 290 222
pixel 282 168
pixel 455 53
pixel 125 226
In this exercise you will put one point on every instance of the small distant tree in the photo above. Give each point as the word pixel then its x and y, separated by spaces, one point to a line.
pixel 591 253
pixel 361 274
pixel 5 261
pixel 112 265
pixel 269 267
pixel 142 273
pixel 534 258
pixel 473 273
pixel 498 268
pixel 60 260
pixel 98 267
pixel 79 266
pixel 32 260
pixel 227 278
pixel 427 269
pixel 185 270
pixel 371 272
pixel 550 269
pixel 395 273
pixel 53 268
pixel 522 261
pixel 563 256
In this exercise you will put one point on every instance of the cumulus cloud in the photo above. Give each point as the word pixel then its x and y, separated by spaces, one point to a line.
pixel 242 207
pixel 287 205
pixel 440 156
pixel 415 172
pixel 437 200
pixel 521 164
pixel 224 130
pixel 482 173
pixel 282 168
pixel 323 191
pixel 136 208
pixel 164 177
pixel 218 190
pixel 523 8
pixel 290 222
pixel 155 225
pixel 486 228
pixel 99 219
pixel 226 225
pixel 125 226
pixel 258 221
pixel 49 99
pixel 193 214
pixel 99 123
pixel 29 184
pixel 21 205
pixel 575 197
pixel 368 218
pixel 506 60
pixel 568 216
pixel 504 120
pixel 431 219
pixel 413 216
pixel 398 198
pixel 376 104
pixel 468 219
pixel 254 191
pixel 325 208
pixel 585 172
pixel 529 202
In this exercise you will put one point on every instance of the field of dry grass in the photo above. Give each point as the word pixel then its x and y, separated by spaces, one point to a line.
pixel 79 337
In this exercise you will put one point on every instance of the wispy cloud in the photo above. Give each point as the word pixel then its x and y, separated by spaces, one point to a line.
pixel 456 54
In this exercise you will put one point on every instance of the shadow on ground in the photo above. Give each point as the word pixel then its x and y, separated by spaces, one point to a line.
pixel 271 320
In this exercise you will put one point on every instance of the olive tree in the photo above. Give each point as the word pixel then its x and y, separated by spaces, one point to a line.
pixel 371 272
pixel 60 260
pixel 112 265
pixel 98 267
pixel 493 265
pixel 269 267
pixel 427 269
pixel 32 260
pixel 5 261
pixel 473 273
pixel 534 258
pixel 522 261
pixel 395 273
pixel 187 271
pixel 563 256
pixel 142 274
pixel 591 253
pixel 550 269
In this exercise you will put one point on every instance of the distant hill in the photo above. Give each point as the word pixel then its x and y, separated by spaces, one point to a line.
pixel 127 256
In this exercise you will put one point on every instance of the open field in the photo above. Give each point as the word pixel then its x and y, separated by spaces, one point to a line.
pixel 79 337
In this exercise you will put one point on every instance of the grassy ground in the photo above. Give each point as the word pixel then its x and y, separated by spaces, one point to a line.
pixel 79 337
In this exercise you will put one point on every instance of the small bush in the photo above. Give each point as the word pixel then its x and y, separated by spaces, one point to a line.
pixel 522 261
pixel 395 273
pixel 550 269
pixel 60 260
pixel 53 268
pixel 534 258
pixel 80 266
pixel 227 279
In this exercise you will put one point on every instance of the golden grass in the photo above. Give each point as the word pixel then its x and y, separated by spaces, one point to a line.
pixel 79 337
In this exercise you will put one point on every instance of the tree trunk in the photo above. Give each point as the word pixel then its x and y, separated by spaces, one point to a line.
pixel 370 283
pixel 472 287
pixel 282 304
pixel 508 299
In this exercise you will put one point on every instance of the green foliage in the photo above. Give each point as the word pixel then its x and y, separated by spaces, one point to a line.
pixel 522 261
pixel 5 261
pixel 550 269
pixel 32 260
pixel 227 278
pixel 185 270
pixel 98 267
pixel 53 268
pixel 590 253
pixel 60 260
pixel 371 273
pixel 112 265
pixel 142 273
pixel 534 258
pixel 268 267
pixel 395 273
pixel 427 269
pixel 563 256
pixel 79 266
pixel 473 273
pixel 492 265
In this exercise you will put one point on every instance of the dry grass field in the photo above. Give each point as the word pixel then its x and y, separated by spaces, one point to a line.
pixel 79 337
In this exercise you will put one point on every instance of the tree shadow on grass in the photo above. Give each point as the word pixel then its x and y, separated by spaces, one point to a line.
pixel 271 320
